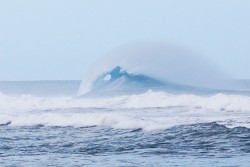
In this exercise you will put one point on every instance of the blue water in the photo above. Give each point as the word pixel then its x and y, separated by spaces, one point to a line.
pixel 187 145
pixel 46 124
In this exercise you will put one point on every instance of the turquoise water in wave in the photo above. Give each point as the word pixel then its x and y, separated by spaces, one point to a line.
pixel 46 124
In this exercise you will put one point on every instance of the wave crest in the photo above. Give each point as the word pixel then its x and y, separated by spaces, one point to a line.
pixel 150 110
pixel 145 100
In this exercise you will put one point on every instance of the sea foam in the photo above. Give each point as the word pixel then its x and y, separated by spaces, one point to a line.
pixel 149 111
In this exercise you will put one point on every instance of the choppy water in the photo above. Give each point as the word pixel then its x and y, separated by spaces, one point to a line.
pixel 42 127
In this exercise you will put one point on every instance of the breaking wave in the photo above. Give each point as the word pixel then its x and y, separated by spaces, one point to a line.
pixel 149 111
pixel 119 81
pixel 139 68
pixel 144 100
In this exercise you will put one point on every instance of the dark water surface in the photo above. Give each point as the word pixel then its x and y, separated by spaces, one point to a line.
pixel 207 144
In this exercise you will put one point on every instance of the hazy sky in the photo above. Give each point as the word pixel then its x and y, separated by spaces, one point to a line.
pixel 61 39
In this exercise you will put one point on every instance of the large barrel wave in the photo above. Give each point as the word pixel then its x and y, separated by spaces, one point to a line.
pixel 139 68
pixel 118 81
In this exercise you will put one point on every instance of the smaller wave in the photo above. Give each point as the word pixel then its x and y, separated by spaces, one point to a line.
pixel 146 119
pixel 149 111
pixel 150 99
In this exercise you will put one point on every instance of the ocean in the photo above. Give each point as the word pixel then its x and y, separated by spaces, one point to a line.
pixel 47 123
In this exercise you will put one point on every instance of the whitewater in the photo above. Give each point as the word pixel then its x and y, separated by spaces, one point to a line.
pixel 149 110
